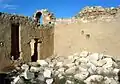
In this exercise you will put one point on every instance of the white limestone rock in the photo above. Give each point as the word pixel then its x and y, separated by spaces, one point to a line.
pixel 51 65
pixel 83 60
pixel 42 62
pixel 69 82
pixel 67 61
pixel 70 65
pixel 109 81
pixel 100 71
pixel 25 66
pixel 92 68
pixel 81 75
pixel 81 69
pixel 41 77
pixel 108 71
pixel 28 75
pixel 77 62
pixel 84 54
pixel 93 57
pixel 116 78
pixel 35 64
pixel 84 65
pixel 71 58
pixel 71 70
pixel 115 71
pixel 59 64
pixel 100 63
pixel 108 56
pixel 15 80
pixel 47 73
pixel 56 73
pixel 61 70
pixel 35 69
pixel 93 79
pixel 101 56
pixel 49 81
pixel 109 62
pixel 91 71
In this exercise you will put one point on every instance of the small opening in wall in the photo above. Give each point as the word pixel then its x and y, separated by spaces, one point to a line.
pixel 82 32
pixel 49 22
pixel 87 36
pixel 38 17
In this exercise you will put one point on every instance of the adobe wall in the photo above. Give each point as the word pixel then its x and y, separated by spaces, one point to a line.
pixel 47 47
pixel 89 33
pixel 28 30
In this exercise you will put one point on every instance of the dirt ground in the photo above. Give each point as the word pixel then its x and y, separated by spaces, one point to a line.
pixel 101 37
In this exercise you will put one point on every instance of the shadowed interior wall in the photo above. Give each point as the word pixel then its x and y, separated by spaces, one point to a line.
pixel 104 38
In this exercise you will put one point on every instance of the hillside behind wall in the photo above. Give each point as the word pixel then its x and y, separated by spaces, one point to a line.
pixel 92 31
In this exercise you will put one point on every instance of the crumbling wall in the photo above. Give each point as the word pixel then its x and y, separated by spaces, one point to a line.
pixel 47 16
pixel 92 14
pixel 5 40
pixel 28 30
pixel 94 35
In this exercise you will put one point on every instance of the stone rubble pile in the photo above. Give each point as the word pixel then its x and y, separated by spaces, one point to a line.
pixel 80 68
pixel 98 13
pixel 89 14
pixel 92 14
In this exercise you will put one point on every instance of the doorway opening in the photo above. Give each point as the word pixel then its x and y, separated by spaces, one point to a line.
pixel 34 52
pixel 35 49
pixel 15 53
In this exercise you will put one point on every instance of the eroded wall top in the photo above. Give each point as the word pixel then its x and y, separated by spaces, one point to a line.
pixel 47 16
pixel 23 20
pixel 95 13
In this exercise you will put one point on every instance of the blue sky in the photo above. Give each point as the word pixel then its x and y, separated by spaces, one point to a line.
pixel 61 8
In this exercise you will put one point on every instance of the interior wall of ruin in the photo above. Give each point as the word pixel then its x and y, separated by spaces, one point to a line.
pixel 93 36
pixel 28 30
pixel 5 40
pixel 47 45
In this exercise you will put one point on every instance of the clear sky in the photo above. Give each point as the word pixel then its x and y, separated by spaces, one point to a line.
pixel 61 8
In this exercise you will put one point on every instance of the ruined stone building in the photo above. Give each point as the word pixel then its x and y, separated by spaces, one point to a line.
pixel 94 29
pixel 24 37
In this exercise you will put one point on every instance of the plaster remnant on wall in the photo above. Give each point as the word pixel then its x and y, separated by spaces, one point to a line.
pixel 32 46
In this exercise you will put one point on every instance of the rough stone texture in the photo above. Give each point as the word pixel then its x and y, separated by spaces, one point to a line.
pixel 92 14
pixel 28 30
pixel 77 74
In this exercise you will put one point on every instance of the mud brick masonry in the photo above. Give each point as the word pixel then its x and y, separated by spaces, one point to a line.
pixel 24 37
